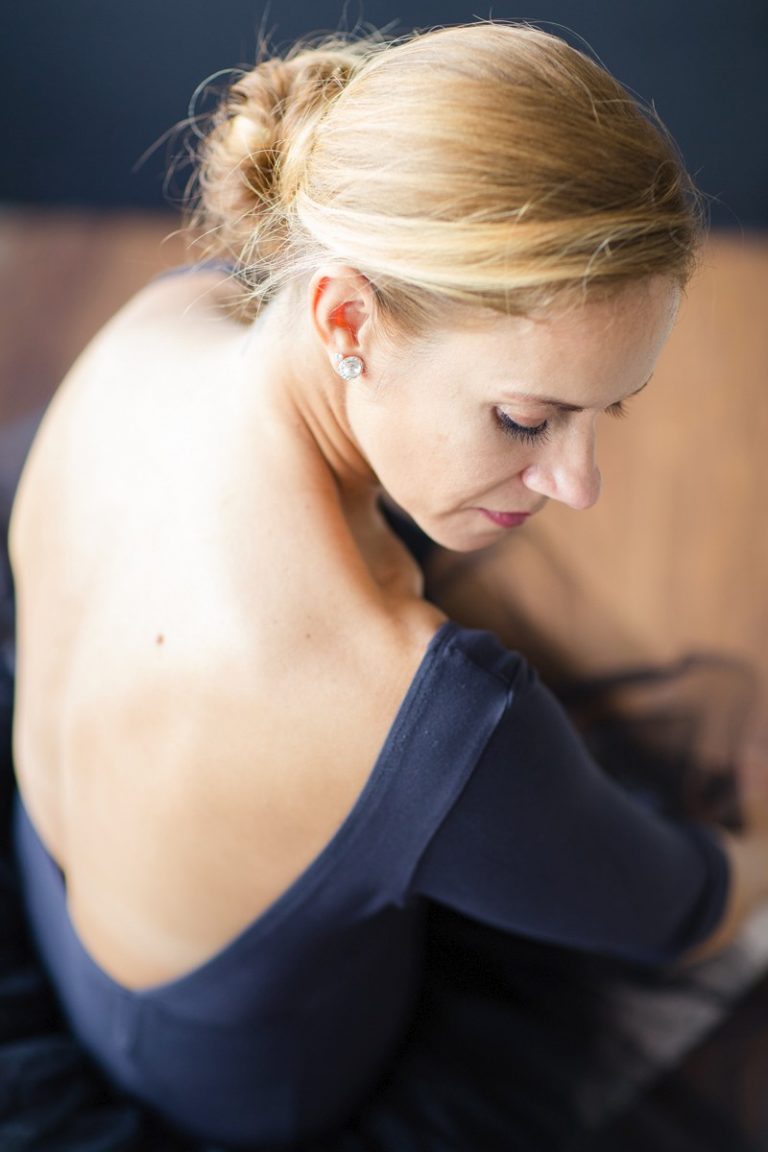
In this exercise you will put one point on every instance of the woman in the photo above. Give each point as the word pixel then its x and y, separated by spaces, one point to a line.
pixel 250 753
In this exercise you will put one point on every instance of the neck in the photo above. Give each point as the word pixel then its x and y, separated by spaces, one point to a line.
pixel 287 362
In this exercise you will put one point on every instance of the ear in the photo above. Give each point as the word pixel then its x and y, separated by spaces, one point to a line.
pixel 342 304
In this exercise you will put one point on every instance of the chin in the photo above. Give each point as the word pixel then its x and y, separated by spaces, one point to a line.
pixel 468 545
pixel 445 530
pixel 454 540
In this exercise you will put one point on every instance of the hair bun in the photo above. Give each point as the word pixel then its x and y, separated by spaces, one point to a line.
pixel 266 114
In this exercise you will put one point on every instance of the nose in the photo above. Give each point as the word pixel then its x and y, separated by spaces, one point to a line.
pixel 569 473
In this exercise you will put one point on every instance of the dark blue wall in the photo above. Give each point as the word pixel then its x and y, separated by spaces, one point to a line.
pixel 87 86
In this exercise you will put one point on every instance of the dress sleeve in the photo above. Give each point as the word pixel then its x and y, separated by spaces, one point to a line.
pixel 542 843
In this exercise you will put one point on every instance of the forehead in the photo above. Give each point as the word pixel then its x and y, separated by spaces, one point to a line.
pixel 648 301
pixel 633 321
pixel 593 352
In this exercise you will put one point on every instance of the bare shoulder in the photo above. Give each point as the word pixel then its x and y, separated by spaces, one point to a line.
pixel 193 294
pixel 192 305
pixel 136 367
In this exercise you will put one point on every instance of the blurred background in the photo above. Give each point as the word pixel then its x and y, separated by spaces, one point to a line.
pixel 673 561
pixel 89 86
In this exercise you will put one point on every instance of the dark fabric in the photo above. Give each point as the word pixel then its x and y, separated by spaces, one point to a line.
pixel 482 798
pixel 545 844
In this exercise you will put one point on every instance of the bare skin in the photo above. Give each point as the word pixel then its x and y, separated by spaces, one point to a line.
pixel 216 627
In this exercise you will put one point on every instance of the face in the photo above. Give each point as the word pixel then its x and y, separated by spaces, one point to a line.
pixel 473 429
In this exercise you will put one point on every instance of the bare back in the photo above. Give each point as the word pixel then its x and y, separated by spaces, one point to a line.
pixel 211 648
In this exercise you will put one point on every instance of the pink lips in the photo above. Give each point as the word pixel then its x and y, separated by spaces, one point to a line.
pixel 506 519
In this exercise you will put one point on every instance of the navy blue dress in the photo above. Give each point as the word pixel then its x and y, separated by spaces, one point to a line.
pixel 482 799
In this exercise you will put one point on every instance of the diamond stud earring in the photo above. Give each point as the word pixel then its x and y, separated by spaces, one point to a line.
pixel 348 367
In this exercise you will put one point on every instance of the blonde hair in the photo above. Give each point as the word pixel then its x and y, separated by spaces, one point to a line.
pixel 487 164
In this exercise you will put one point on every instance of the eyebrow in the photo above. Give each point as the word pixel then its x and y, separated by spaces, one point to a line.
pixel 570 407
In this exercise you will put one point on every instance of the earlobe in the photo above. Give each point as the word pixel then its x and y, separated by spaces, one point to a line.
pixel 348 367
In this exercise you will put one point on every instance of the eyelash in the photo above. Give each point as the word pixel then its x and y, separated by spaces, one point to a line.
pixel 540 433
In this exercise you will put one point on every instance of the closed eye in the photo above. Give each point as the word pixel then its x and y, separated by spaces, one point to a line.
pixel 509 427
pixel 540 432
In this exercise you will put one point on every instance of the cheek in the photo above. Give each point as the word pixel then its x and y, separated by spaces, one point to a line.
pixel 473 457
pixel 445 450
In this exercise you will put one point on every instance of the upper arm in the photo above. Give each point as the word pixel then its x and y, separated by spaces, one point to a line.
pixel 545 844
